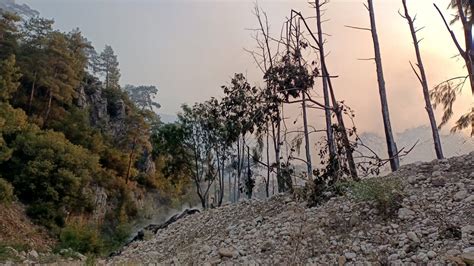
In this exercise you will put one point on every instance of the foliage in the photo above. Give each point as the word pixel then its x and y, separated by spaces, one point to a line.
pixel 50 173
pixel 290 77
pixel 81 238
pixel 9 76
pixel 386 194
pixel 108 66
pixel 6 191
pixel 143 96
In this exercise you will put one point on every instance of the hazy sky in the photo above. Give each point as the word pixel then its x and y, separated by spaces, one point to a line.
pixel 188 49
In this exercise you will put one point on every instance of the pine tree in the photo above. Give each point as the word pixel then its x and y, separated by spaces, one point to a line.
pixel 9 76
pixel 109 68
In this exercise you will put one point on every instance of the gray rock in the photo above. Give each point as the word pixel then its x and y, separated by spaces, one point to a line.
pixel 405 213
pixel 267 246
pixel 460 195
pixel 33 254
pixel 431 254
pixel 438 182
pixel 469 199
pixel 436 173
pixel 468 250
pixel 350 255
pixel 422 257
pixel 228 252
pixel 393 257
pixel 453 252
pixel 413 237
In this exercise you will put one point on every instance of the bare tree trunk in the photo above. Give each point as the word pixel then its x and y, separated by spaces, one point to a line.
pixel 309 164
pixel 267 185
pixel 424 83
pixel 342 128
pixel 222 181
pixel 327 112
pixel 230 186
pixel 249 175
pixel 130 160
pixel 276 130
pixel 32 94
pixel 239 170
pixel 391 145
pixel 277 140
pixel 48 109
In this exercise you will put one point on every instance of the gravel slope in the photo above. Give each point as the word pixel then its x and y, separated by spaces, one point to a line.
pixel 435 225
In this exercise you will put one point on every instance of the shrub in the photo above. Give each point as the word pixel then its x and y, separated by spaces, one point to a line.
pixel 50 173
pixel 46 214
pixel 81 238
pixel 6 191
pixel 386 194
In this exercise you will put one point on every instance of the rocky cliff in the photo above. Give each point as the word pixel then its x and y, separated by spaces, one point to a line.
pixel 433 224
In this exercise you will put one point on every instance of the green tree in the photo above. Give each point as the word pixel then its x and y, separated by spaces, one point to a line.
pixel 109 68
pixel 8 35
pixel 32 56
pixel 143 96
pixel 9 76
pixel 51 174
pixel 63 73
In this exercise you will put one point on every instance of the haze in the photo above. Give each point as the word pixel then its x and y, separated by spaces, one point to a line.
pixel 190 48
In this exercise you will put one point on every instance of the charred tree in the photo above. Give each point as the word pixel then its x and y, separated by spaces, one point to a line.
pixel 391 145
pixel 421 75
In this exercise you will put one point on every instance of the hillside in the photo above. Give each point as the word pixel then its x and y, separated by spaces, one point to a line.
pixel 16 229
pixel 434 223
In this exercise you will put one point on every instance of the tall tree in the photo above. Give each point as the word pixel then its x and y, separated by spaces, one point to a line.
pixel 63 72
pixel 33 58
pixel 338 109
pixel 324 79
pixel 8 35
pixel 109 67
pixel 421 75
pixel 391 145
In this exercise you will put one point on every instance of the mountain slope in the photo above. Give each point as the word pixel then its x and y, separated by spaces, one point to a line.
pixel 434 223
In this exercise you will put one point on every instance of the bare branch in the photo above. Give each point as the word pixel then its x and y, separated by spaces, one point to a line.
pixel 453 36
pixel 357 28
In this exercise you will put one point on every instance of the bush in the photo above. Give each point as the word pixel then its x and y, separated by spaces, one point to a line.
pixel 6 191
pixel 46 214
pixel 81 238
pixel 50 173
pixel 115 236
pixel 386 194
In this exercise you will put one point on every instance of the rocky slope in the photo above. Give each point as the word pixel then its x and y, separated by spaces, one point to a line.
pixel 434 224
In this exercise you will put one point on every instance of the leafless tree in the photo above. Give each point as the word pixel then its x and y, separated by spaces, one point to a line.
pixel 421 75
pixel 391 145
pixel 318 4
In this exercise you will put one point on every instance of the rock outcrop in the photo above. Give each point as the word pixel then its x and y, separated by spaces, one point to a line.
pixel 434 225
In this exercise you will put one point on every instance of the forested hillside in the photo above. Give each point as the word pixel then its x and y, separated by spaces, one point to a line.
pixel 75 147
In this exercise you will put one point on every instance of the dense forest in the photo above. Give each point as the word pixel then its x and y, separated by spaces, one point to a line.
pixel 84 153
pixel 79 150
